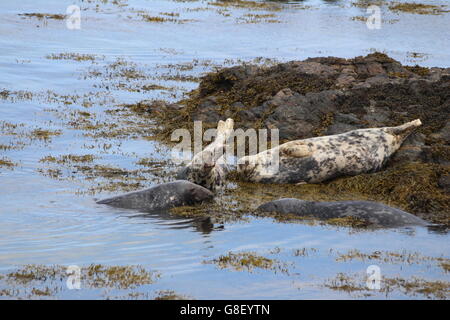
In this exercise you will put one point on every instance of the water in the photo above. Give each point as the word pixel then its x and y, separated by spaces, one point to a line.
pixel 54 220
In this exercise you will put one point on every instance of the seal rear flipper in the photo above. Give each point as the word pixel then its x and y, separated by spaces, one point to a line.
pixel 404 130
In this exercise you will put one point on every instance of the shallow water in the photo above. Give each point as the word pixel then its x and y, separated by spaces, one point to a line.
pixel 52 219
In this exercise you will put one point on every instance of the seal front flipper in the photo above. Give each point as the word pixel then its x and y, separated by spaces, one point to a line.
pixel 296 149
pixel 207 167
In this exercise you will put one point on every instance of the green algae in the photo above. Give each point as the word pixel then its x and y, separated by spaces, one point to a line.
pixel 445 265
pixel 431 289
pixel 355 284
pixel 100 177
pixel 121 277
pixel 7 163
pixel 304 252
pixel 244 4
pixel 74 56
pixel 163 18
pixel 31 281
pixel 367 3
pixel 345 283
pixel 403 257
pixel 69 158
pixel 258 18
pixel 248 261
pixel 170 295
pixel 42 16
pixel 44 134
pixel 417 8
pixel 421 71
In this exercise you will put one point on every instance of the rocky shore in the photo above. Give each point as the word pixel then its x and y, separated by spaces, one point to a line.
pixel 329 95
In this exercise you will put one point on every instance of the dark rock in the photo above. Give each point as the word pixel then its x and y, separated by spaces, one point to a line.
pixel 444 182
pixel 444 133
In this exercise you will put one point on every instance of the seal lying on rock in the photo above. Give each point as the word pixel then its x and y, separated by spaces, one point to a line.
pixel 162 196
pixel 208 167
pixel 374 213
pixel 322 158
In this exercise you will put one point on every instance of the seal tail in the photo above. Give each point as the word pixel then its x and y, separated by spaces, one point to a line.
pixel 405 129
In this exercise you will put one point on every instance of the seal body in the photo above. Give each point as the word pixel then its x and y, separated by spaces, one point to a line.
pixel 322 158
pixel 163 196
pixel 374 213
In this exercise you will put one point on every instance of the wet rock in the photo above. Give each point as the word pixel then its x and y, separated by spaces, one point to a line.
pixel 444 133
pixel 444 183
pixel 330 95
pixel 345 80
pixel 344 122
pixel 308 98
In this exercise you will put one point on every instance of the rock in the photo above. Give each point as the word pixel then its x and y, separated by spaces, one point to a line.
pixel 444 133
pixel 344 80
pixel 330 95
pixel 375 68
pixel 444 182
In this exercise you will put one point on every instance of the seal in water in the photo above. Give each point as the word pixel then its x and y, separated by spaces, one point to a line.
pixel 322 158
pixel 162 196
pixel 374 213
pixel 208 167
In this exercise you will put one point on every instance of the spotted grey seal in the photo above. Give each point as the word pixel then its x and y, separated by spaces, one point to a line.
pixel 322 158
pixel 374 213
pixel 208 168
pixel 162 196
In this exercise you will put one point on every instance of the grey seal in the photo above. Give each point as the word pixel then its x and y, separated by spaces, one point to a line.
pixel 319 159
pixel 208 168
pixel 162 196
pixel 376 214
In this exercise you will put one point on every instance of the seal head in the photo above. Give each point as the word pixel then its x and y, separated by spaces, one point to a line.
pixel 208 167
pixel 161 197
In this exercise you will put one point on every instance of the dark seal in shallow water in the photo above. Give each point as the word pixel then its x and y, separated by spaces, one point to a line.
pixel 376 214
pixel 162 196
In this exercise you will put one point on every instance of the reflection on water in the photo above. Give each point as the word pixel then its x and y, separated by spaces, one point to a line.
pixel 202 225
pixel 48 212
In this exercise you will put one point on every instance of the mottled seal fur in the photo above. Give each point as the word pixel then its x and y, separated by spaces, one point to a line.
pixel 374 213
pixel 162 196
pixel 322 158
pixel 208 167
